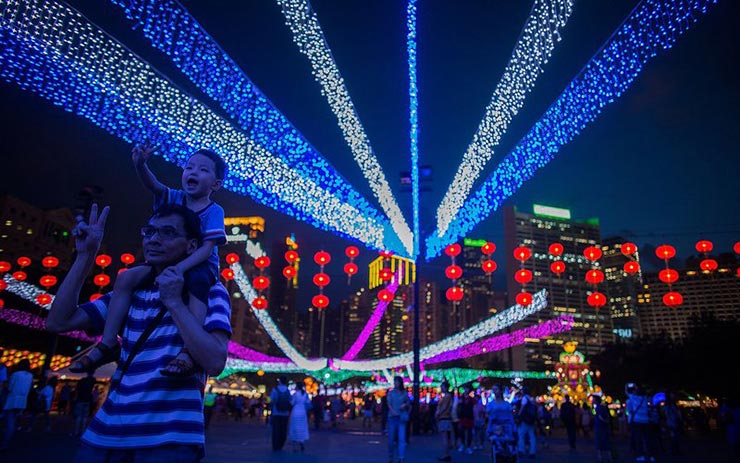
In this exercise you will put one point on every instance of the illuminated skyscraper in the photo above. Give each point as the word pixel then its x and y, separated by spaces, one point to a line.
pixel 621 288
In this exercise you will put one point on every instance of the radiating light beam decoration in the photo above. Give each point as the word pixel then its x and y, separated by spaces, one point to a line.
pixel 374 320
pixel 26 291
pixel 245 353
pixel 237 365
pixel 171 29
pixel 484 328
pixel 242 281
pixel 307 35
pixel 536 42
pixel 557 325
pixel 413 119
pixel 652 27
pixel 54 51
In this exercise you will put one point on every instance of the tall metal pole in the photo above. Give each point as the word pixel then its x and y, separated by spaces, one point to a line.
pixel 417 365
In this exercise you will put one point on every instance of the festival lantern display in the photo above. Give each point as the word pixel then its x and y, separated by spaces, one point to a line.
pixel 20 275
pixel 232 258
pixel 557 266
pixel 594 277
pixel 48 280
pixel 523 276
pixel 101 280
pixel 321 279
pixel 49 262
pixel 227 274
pixel 488 265
pixel 631 267
pixel 4 266
pixel 290 271
pixel 629 250
pixel 23 261
pixel 668 275
pixel 454 294
pixel 350 268
pixel 385 274
pixel 126 259
pixel 736 247
pixel 260 282
pixel 707 265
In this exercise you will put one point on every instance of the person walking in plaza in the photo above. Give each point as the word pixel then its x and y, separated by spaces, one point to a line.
pixel 479 423
pixel 638 416
pixel 466 418
pixel 83 402
pixel 64 395
pixel 367 411
pixel 209 403
pixel 45 398
pixel 19 385
pixel 602 431
pixel 443 416
pixel 586 421
pixel 148 416
pixel 398 416
pixel 527 415
pixel 568 417
pixel 298 425
pixel 279 413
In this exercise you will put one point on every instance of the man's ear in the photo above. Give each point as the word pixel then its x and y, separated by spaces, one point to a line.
pixel 192 246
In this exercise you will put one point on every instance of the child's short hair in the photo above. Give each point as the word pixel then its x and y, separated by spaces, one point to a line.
pixel 218 161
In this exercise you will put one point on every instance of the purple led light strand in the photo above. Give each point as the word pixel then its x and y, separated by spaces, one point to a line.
pixel 504 341
pixel 245 353
pixel 373 321
pixel 37 323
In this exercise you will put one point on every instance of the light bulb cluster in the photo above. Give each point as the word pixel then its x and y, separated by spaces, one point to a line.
pixel 538 38
pixel 36 323
pixel 413 119
pixel 28 291
pixel 654 26
pixel 92 75
pixel 307 35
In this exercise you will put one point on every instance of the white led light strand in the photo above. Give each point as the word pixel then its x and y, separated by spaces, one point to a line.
pixel 307 35
pixel 26 291
pixel 487 327
pixel 271 328
pixel 538 38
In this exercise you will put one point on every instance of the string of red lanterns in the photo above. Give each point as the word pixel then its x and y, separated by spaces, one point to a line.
pixel 101 280
pixel 453 272
pixel 290 271
pixel 668 275
pixel 594 277
pixel 321 279
pixel 350 268
pixel 557 266
pixel 523 276
pixel 707 264
pixel 487 264
pixel 260 282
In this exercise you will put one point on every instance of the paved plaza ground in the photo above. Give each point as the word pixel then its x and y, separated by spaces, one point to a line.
pixel 248 441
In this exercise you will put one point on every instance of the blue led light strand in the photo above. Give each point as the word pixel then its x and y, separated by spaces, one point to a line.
pixel 413 118
pixel 307 35
pixel 54 51
pixel 653 26
pixel 533 49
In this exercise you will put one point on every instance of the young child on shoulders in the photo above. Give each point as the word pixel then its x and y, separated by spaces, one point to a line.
pixel 202 175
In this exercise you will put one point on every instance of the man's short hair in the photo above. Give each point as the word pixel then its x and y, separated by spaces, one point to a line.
pixel 190 220
pixel 283 380
pixel 218 161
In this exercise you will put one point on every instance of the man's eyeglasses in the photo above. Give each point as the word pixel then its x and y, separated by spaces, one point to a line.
pixel 166 233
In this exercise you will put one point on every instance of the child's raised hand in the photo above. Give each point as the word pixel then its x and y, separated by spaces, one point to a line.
pixel 141 153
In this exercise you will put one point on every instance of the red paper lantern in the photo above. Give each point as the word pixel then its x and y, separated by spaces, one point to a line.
pixel 453 250
pixel 556 249
pixel 735 248
pixel 523 276
pixel 47 281
pixel 43 299
pixel 704 246
pixel 454 293
pixel 631 267
pixel 127 258
pixel 103 260
pixel 3 285
pixel 322 258
pixel 522 253
pixel 259 303
pixel 4 266
pixel 350 268
pixel 385 296
pixel 594 276
pixel 672 299
pixel 592 253
pixel 24 261
pixel 262 262
pixel 453 272
pixel 385 274
pixel 488 266
pixel 557 267
pixel 665 252
pixel 629 248
pixel 320 301
pixel 488 248
pixel 352 252
pixel 738 272
pixel 227 274
pixel 20 275
pixel 668 276
pixel 321 279
pixel 524 299
pixel 121 270
pixel 2 303
pixel 49 262
pixel 261 282
pixel 386 254
pixel 289 271
pixel 291 256
pixel 101 280
pixel 232 258
pixel 708 265
pixel 95 297
pixel 596 299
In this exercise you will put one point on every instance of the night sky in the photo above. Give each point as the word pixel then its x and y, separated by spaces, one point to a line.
pixel 659 165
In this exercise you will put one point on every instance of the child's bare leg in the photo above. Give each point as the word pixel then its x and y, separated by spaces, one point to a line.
pixel 117 310
pixel 183 364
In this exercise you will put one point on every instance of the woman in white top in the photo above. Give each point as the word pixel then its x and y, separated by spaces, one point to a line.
pixel 298 425
pixel 18 387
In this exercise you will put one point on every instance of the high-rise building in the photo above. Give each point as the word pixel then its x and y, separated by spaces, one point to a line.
pixel 621 288
pixel 567 292
pixel 705 294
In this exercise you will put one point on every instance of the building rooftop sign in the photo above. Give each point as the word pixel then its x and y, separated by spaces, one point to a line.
pixel 551 212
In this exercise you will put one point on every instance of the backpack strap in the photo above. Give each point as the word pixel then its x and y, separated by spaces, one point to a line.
pixel 138 345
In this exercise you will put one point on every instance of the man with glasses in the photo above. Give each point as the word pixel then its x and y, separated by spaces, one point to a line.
pixel 148 416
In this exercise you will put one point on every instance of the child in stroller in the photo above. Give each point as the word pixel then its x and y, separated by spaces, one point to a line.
pixel 501 428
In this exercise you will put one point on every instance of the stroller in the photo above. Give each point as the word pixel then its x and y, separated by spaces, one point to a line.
pixel 503 442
